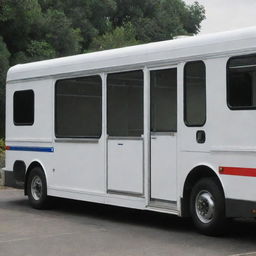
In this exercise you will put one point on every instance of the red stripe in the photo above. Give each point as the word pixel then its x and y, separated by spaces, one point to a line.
pixel 249 172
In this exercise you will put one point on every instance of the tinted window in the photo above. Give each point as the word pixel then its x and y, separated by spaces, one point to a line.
pixel 23 107
pixel 163 84
pixel 78 107
pixel 125 103
pixel 195 94
pixel 241 75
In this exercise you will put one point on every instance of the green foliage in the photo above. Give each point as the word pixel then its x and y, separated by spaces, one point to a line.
pixel 40 50
pixel 4 65
pixel 171 18
pixel 194 17
pixel 119 37
pixel 4 60
pixel 90 16
pixel 2 145
pixel 2 153
pixel 32 30
pixel 60 34
pixel 21 19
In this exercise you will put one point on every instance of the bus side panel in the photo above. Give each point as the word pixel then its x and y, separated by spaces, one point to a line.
pixel 79 166
pixel 233 138
pixel 35 136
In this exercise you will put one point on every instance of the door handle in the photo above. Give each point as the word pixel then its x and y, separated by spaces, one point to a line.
pixel 200 137
pixel 153 138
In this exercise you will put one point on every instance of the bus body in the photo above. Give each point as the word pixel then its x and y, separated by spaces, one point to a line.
pixel 166 126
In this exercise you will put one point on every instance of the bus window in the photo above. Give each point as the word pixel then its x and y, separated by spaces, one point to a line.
pixel 195 94
pixel 23 107
pixel 125 104
pixel 78 107
pixel 241 82
pixel 163 100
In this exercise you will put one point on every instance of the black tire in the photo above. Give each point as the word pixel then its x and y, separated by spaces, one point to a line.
pixel 207 219
pixel 39 199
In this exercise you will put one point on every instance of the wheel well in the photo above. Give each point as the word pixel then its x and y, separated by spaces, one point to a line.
pixel 195 175
pixel 19 169
pixel 30 168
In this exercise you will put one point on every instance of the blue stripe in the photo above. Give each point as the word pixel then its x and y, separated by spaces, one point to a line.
pixel 35 149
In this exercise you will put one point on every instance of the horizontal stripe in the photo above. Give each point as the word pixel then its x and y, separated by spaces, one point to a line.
pixel 34 149
pixel 238 171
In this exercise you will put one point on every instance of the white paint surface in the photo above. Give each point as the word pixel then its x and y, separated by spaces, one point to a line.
pixel 163 167
pixel 125 166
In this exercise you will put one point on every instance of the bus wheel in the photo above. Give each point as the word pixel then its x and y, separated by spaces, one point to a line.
pixel 207 207
pixel 37 189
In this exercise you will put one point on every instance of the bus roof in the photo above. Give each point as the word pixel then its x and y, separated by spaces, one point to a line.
pixel 170 51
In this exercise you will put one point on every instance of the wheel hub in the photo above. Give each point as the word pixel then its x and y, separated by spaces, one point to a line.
pixel 204 206
pixel 36 188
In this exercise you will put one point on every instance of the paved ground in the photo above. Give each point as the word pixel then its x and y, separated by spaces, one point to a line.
pixel 73 228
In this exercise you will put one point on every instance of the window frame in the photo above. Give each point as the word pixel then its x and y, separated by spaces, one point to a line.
pixel 24 124
pixel 57 137
pixel 185 96
pixel 228 83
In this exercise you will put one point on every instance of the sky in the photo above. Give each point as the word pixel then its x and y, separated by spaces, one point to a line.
pixel 222 15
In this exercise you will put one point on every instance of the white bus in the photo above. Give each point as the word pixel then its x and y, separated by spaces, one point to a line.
pixel 167 127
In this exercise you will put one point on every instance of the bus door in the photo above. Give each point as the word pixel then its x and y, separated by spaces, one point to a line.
pixel 125 132
pixel 163 126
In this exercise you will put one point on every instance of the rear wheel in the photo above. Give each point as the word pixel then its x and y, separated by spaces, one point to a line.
pixel 207 207
pixel 37 189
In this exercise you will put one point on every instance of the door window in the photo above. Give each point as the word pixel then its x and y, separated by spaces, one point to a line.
pixel 163 100
pixel 125 104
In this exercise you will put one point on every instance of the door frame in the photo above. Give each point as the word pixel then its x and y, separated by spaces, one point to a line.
pixel 147 119
pixel 113 138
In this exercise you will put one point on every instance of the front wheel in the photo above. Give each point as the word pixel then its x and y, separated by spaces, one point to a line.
pixel 207 207
pixel 37 189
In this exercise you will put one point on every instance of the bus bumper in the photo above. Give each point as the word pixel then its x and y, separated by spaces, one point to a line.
pixel 240 208
pixel 9 180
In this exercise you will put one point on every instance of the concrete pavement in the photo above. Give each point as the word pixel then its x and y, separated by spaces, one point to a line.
pixel 75 228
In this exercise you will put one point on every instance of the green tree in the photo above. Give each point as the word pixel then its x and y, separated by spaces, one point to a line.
pixel 4 65
pixel 59 33
pixel 32 30
pixel 89 16
pixel 193 18
pixel 25 25
pixel 18 24
pixel 170 18
pixel 119 37
pixel 40 50
pixel 132 10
